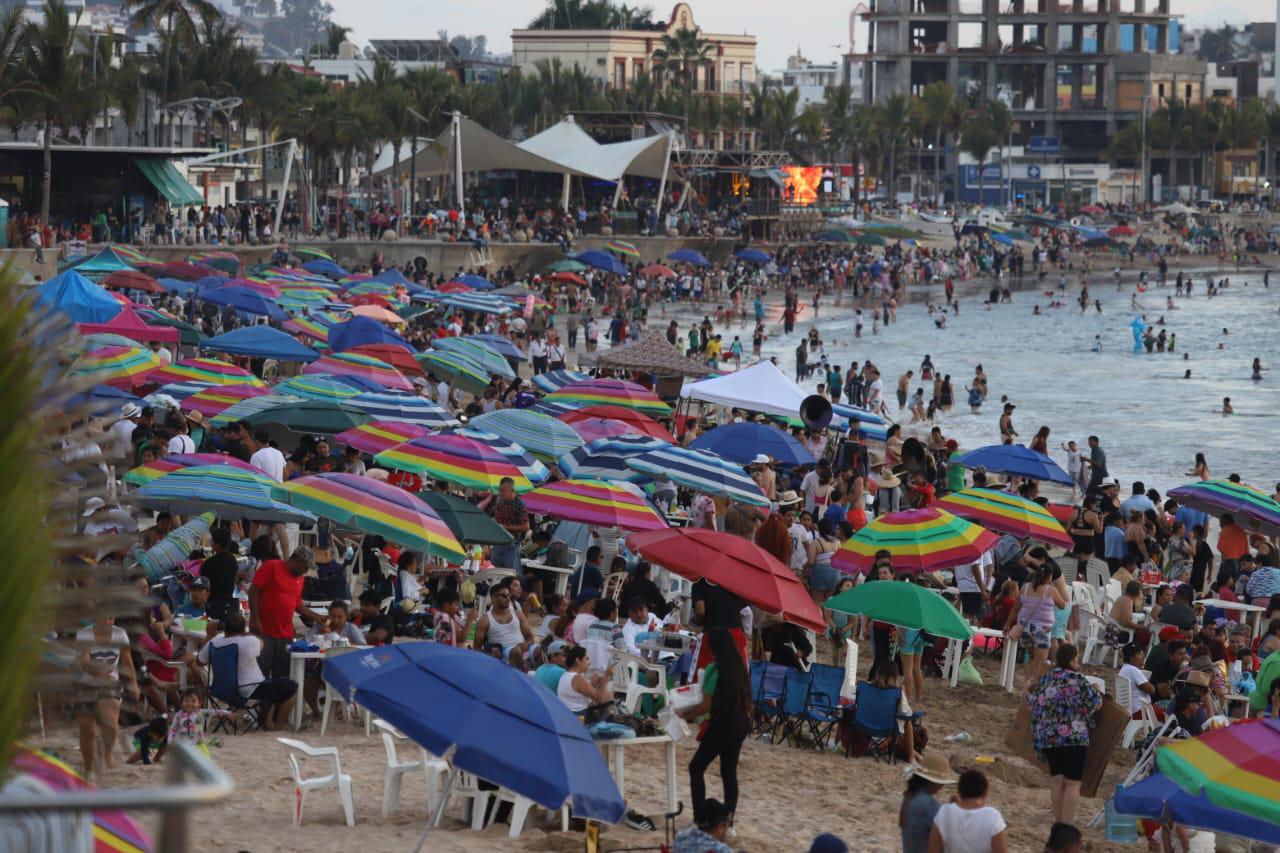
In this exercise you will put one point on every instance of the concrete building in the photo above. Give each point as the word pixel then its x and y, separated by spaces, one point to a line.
pixel 1076 75
pixel 616 57
pixel 811 79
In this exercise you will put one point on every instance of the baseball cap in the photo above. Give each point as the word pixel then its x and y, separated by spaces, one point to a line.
pixel 557 647
pixel 1171 633
pixel 586 595
pixel 93 505
pixel 200 583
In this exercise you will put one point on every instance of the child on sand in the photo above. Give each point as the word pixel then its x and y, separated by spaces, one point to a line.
pixel 151 737
pixel 188 723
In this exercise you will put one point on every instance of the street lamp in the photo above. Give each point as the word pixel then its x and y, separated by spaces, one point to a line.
pixel 305 184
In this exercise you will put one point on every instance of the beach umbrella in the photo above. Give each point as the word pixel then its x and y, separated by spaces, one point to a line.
pixel 453 287
pixel 457 459
pixel 323 417
pixel 359 331
pixel 1246 504
pixel 1121 231
pixel 211 400
pixel 503 345
pixel 77 297
pixel 918 540
pixel 227 262
pixel 542 435
pixel 99 340
pixel 309 252
pixel 250 406
pixel 368 287
pixel 534 470
pixel 130 279
pixel 594 502
pixel 129 324
pixel 174 549
pixel 377 312
pixel 179 391
pixel 315 325
pixel 261 342
pixel 854 413
pixel 1002 239
pixel 657 271
pixel 157 468
pixel 106 261
pixel 602 261
pixel 188 335
pixel 357 364
pixel 399 357
pixel 568 278
pixel 1158 797
pixel 833 237
pixel 743 442
pixel 623 248
pixel 606 458
pixel 244 299
pixel 553 380
pixel 468 523
pixel 102 400
pixel 377 436
pixel 738 565
pixel 485 303
pixel 690 256
pixel 120 366
pixel 316 388
pixel 1005 513
pixel 752 256
pixel 113 829
pixel 182 270
pixel 405 408
pixel 586 421
pixel 907 605
pixel 209 371
pixel 326 268
pixel 567 265
pixel 592 429
pixel 1237 767
pixel 1016 460
pixel 475 282
pixel 701 471
pixel 611 392
pixel 868 240
pixel 491 720
pixel 364 504
pixel 230 492
pixel 489 359
pixel 455 369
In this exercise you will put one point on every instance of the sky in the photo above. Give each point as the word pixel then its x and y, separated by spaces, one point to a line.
pixel 819 27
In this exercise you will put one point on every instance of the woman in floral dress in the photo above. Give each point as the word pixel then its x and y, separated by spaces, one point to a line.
pixel 1062 706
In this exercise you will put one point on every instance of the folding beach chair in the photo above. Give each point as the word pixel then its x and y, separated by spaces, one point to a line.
pixel 768 695
pixel 822 712
pixel 876 719
pixel 225 689
pixel 794 701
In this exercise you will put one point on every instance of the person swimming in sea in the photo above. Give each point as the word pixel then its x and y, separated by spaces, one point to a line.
pixel 1257 370
pixel 1097 343
pixel 1097 303
pixel 1187 375
pixel 1226 406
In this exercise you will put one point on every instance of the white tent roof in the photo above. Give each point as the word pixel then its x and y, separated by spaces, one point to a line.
pixel 566 142
pixel 759 388
pixel 482 151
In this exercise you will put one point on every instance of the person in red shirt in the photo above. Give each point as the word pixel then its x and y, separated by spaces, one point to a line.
pixel 274 596
pixel 921 492
pixel 1233 543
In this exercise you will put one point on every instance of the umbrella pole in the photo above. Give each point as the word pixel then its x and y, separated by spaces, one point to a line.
pixel 439 810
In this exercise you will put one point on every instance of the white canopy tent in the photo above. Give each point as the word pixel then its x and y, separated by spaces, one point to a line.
pixel 566 142
pixel 762 387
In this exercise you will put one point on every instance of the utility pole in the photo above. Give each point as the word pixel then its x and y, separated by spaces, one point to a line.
pixel 1142 162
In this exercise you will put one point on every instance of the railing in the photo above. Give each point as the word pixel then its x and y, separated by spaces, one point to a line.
pixel 174 799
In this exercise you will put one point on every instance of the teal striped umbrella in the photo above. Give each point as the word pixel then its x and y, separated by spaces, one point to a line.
pixel 317 388
pixel 482 354
pixel 542 435
pixel 252 406
pixel 456 369
pixel 232 493
pixel 554 380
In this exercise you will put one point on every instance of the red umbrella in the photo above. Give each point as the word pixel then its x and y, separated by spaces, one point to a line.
pixel 659 270
pixel 370 299
pixel 592 428
pixel 568 277
pixel 395 355
pixel 739 565
pixel 454 287
pixel 182 270
pixel 132 280
pixel 1092 209
pixel 640 423
pixel 1122 231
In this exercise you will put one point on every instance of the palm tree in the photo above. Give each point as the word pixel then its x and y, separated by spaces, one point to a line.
pixel 977 139
pixel 681 55
pixel 936 107
pixel 334 36
pixel 181 19
pixel 1001 120
pixel 811 126
pixel 1128 145
pixel 892 114
pixel 1171 126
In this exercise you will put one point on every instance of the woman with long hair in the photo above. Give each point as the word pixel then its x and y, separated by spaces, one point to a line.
pixel 773 537
pixel 1033 616
pixel 726 699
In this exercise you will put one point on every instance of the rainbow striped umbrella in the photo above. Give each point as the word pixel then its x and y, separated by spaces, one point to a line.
pixel 113 830
pixel 595 502
pixel 377 436
pixel 180 390
pixel 615 392
pixel 1237 767
pixel 363 366
pixel 230 492
pixel 523 459
pixel 213 400
pixel 210 371
pixel 119 366
pixel 149 471
pixel 315 325
pixel 369 286
pixel 542 435
pixel 317 388
pixel 1260 510
pixel 918 540
pixel 457 459
pixel 367 505
pixel 701 471
pixel 622 247
pixel 1006 513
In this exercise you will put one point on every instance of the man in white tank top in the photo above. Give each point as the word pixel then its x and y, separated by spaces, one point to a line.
pixel 504 626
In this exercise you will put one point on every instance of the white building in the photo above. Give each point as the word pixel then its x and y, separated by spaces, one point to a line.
pixel 810 78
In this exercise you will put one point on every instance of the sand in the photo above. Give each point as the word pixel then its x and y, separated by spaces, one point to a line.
pixel 788 794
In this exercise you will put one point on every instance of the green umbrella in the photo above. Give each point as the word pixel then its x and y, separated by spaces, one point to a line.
pixel 907 605
pixel 470 524
pixel 188 335
pixel 488 358
pixel 567 265
pixel 456 369
pixel 323 417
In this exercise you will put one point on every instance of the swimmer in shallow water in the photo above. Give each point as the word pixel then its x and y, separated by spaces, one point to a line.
pixel 1097 343
pixel 1257 370
pixel 1226 406
pixel 1187 375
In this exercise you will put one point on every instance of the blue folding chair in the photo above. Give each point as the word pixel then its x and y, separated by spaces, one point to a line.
pixel 822 712
pixel 768 699
pixel 793 703
pixel 875 716
pixel 224 666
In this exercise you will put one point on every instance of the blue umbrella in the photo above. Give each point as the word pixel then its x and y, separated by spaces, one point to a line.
pixel 606 458
pixel 325 268
pixel 1003 239
pixel 489 719
pixel 103 400
pixel 853 413
pixel 601 261
pixel 701 471
pixel 260 342
pixel 404 408
pixel 502 345
pixel 482 302
pixel 394 276
pixel 230 492
pixel 1016 461
pixel 1158 795
pixel 243 299
pixel 177 285
pixel 752 256
pixel 742 442
pixel 690 256
pixel 554 380
pixel 78 298
pixel 359 383
pixel 478 282
pixel 359 331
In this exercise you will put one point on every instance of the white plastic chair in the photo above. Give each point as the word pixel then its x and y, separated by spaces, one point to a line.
pixel 520 809
pixel 332 697
pixel 466 787
pixel 395 767
pixel 1097 573
pixel 1148 721
pixel 632 667
pixel 849 688
pixel 302 787
pixel 599 654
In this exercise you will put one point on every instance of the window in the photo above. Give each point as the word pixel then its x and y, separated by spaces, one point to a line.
pixel 1160 91
pixel 637 69
pixel 1186 98
pixel 619 74
pixel 710 72
pixel 731 77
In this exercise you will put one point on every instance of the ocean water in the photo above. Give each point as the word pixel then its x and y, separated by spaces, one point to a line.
pixel 1150 420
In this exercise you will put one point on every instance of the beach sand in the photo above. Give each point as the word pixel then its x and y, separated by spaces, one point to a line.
pixel 788 794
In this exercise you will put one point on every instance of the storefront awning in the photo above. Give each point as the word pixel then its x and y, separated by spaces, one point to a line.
pixel 169 181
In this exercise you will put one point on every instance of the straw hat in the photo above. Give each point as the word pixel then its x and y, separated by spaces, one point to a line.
pixel 1194 677
pixel 789 498
pixel 934 767
pixel 886 481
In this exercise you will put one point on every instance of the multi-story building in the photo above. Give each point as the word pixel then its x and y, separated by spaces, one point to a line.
pixel 811 79
pixel 616 57
pixel 1074 70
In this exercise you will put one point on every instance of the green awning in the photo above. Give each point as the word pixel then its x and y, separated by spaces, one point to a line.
pixel 169 181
